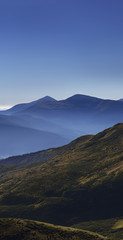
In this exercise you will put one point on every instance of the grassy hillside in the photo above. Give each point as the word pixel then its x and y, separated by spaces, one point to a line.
pixel 41 156
pixel 108 227
pixel 25 229
pixel 82 182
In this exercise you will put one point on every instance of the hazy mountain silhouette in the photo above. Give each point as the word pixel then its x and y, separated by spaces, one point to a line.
pixel 24 106
pixel 68 119
pixel 16 139
pixel 79 113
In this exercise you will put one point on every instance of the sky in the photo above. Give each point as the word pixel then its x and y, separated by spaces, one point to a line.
pixel 60 48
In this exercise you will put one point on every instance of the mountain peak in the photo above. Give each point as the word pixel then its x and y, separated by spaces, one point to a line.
pixel 46 98
pixel 81 97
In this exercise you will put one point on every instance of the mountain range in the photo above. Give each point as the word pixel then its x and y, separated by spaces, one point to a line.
pixel 48 123
pixel 79 184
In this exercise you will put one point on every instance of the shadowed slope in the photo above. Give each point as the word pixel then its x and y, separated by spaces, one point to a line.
pixel 41 156
pixel 107 227
pixel 25 229
pixel 83 182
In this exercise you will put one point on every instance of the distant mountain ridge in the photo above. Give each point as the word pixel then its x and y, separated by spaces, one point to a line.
pixel 24 106
pixel 76 102
pixel 68 119
pixel 75 99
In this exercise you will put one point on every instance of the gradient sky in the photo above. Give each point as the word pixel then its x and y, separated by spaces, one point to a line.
pixel 60 48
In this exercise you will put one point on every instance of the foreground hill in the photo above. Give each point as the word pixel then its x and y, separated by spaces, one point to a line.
pixel 112 227
pixel 41 156
pixel 68 119
pixel 25 229
pixel 82 181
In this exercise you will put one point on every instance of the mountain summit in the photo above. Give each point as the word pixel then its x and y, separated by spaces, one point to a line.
pixel 24 106
pixel 66 119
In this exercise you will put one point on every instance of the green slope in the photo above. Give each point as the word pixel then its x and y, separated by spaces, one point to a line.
pixel 82 182
pixel 12 229
pixel 40 156
pixel 108 227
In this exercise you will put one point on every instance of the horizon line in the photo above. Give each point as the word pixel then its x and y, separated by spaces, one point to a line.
pixel 6 107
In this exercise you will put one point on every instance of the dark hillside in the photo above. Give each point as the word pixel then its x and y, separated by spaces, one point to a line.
pixel 83 182
pixel 18 229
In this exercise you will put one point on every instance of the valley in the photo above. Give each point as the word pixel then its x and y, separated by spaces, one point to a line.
pixel 79 182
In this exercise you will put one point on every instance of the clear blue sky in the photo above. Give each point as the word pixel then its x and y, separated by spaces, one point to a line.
pixel 60 48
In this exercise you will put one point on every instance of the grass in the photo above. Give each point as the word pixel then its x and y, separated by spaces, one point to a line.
pixel 118 224
pixel 12 229
pixel 80 182
pixel 108 227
